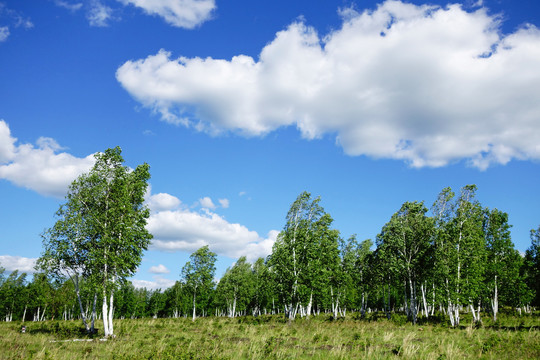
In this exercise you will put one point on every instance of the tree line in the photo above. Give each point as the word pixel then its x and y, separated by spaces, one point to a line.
pixel 456 256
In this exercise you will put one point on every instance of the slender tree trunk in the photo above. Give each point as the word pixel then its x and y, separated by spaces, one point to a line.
pixel 104 314
pixel 363 305
pixel 111 312
pixel 495 301
pixel 310 304
pixel 413 301
pixel 471 306
pixel 93 313
pixel 423 289
pixel 75 280
pixel 433 302
pixel 193 319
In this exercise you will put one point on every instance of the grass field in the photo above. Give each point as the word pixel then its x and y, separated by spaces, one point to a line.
pixel 272 337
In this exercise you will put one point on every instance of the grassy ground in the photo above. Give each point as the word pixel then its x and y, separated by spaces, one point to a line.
pixel 268 337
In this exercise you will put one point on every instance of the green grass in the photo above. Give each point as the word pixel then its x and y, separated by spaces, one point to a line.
pixel 272 337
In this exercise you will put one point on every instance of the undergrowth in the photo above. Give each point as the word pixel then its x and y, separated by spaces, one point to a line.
pixel 273 337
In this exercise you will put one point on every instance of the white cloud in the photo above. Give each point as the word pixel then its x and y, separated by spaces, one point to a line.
pixel 7 143
pixel 158 283
pixel 42 168
pixel 4 33
pixel 224 203
pixel 207 203
pixel 99 14
pixel 69 5
pixel 180 13
pixel 183 230
pixel 12 263
pixel 163 201
pixel 423 84
pixel 160 269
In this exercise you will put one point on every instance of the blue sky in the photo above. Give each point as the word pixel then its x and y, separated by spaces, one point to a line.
pixel 239 106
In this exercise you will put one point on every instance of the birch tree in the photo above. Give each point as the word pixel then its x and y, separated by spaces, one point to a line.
pixel 502 265
pixel 406 239
pixel 104 225
pixel 355 269
pixel 531 268
pixel 198 274
pixel 66 246
pixel 304 256
pixel 459 251
pixel 237 287
pixel 264 290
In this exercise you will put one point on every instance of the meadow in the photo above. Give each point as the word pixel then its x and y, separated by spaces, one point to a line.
pixel 273 337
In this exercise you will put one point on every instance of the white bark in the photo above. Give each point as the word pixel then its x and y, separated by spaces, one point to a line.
pixel 423 289
pixel 93 312
pixel 473 312
pixel 495 301
pixel 310 304
pixel 105 314
pixel 110 316
pixel 193 319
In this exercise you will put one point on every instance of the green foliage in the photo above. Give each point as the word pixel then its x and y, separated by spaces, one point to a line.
pixel 531 267
pixel 405 243
pixel 198 275
pixel 305 258
pixel 100 234
pixel 236 288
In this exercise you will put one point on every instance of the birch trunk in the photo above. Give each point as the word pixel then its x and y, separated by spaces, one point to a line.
pixel 475 318
pixel 310 304
pixel 105 314
pixel 413 301
pixel 93 313
pixel 495 301
pixel 426 311
pixel 193 319
pixel 75 280
pixel 111 312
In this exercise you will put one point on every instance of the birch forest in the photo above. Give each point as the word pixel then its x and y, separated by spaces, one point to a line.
pixel 427 262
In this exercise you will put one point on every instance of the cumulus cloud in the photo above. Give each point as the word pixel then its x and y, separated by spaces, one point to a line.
pixel 224 203
pixel 160 269
pixel 207 203
pixel 23 264
pixel 42 168
pixel 424 84
pixel 159 282
pixel 184 230
pixel 162 201
pixel 180 13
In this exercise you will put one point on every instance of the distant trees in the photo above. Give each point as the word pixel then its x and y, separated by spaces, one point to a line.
pixel 458 257
pixel 198 275
pixel 503 262
pixel 237 287
pixel 531 271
